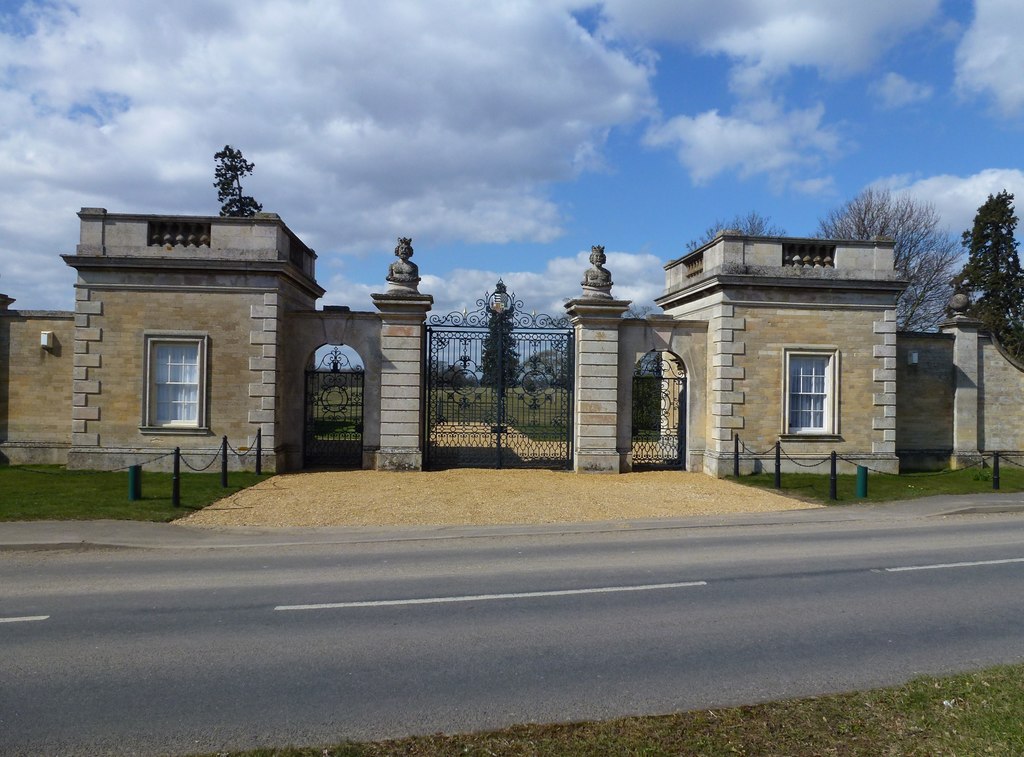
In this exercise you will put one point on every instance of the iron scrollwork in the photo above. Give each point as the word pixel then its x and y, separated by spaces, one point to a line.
pixel 499 386
pixel 659 412
pixel 333 431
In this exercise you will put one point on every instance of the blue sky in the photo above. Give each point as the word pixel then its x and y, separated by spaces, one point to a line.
pixel 504 137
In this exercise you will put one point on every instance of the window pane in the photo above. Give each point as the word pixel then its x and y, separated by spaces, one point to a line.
pixel 807 392
pixel 176 382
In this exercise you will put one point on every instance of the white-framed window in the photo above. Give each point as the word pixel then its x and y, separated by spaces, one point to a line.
pixel 175 384
pixel 810 392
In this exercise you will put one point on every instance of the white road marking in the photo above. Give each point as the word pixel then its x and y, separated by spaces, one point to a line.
pixel 955 565
pixel 25 619
pixel 484 597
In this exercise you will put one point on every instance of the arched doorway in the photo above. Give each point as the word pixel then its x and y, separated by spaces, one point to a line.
pixel 659 411
pixel 333 427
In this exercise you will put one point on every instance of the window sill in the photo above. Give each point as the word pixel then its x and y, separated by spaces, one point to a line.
pixel 811 437
pixel 175 430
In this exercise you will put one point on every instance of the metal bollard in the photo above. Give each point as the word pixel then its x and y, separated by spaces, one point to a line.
pixel 134 483
pixel 176 479
pixel 832 477
pixel 736 455
pixel 862 481
pixel 778 465
pixel 224 462
pixel 259 451
pixel 995 471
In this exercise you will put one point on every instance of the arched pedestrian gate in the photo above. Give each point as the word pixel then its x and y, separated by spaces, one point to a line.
pixel 659 412
pixel 499 387
pixel 333 428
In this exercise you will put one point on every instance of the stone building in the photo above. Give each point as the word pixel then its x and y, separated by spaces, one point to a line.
pixel 187 330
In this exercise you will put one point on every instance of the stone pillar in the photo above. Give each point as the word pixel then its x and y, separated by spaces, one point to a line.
pixel 401 380
pixel 597 405
pixel 965 389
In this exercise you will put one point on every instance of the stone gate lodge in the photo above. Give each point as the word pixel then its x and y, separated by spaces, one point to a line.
pixel 189 329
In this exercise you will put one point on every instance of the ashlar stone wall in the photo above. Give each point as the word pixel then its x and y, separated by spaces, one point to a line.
pixel 35 385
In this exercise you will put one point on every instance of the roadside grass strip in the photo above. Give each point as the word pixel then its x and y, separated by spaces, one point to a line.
pixel 50 492
pixel 971 714
pixel 883 487
pixel 490 597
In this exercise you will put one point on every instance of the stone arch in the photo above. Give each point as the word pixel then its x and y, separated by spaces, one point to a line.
pixel 304 333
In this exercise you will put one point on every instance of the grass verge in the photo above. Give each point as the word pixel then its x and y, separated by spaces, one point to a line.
pixel 971 714
pixel 883 487
pixel 49 492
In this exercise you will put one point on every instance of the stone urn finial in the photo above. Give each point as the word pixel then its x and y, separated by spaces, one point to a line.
pixel 597 280
pixel 403 275
pixel 958 303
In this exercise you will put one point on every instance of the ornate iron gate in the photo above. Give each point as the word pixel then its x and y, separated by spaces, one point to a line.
pixel 659 412
pixel 499 387
pixel 334 413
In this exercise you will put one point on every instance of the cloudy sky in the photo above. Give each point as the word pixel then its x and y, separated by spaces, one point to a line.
pixel 504 136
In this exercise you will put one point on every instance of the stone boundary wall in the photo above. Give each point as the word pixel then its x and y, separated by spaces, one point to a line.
pixel 924 400
pixel 1000 399
pixel 35 386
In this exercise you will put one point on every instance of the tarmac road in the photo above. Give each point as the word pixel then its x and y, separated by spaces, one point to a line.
pixel 180 641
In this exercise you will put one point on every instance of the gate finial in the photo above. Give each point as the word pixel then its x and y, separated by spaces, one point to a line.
pixel 597 280
pixel 403 275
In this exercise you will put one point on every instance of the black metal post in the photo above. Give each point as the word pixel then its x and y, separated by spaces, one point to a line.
pixel 832 477
pixel 736 455
pixel 259 451
pixel 176 479
pixel 995 471
pixel 778 464
pixel 224 462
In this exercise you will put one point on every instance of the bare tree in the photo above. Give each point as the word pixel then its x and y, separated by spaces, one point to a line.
pixel 753 224
pixel 925 254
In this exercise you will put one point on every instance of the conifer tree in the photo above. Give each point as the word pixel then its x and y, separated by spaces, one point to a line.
pixel 230 169
pixel 992 275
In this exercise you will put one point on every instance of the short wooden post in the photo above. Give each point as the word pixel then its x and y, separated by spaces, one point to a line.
pixel 224 462
pixel 778 464
pixel 176 479
pixel 832 476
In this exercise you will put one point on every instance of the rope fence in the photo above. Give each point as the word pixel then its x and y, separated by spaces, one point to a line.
pixel 179 458
pixel 992 459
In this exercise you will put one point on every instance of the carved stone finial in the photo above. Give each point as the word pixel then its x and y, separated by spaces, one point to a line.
pixel 597 280
pixel 958 303
pixel 403 274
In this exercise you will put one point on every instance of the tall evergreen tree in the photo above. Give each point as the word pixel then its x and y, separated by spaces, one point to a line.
pixel 992 275
pixel 230 169
pixel 500 358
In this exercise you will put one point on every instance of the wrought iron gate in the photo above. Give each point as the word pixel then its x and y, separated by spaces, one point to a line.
pixel 499 387
pixel 659 412
pixel 333 435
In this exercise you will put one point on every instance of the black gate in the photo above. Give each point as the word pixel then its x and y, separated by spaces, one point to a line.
pixel 659 412
pixel 334 413
pixel 499 388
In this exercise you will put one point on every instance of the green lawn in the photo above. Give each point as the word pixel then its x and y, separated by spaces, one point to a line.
pixel 971 714
pixel 49 492
pixel 882 487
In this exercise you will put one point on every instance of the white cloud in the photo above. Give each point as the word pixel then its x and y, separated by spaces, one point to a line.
pixel 957 198
pixel 990 57
pixel 638 277
pixel 765 38
pixel 896 91
pixel 762 140
pixel 447 120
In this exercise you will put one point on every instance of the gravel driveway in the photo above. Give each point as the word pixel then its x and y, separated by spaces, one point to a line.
pixel 481 497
